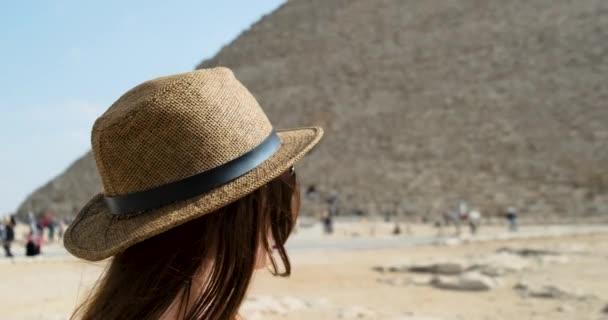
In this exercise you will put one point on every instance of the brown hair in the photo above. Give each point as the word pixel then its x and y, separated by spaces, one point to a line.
pixel 143 281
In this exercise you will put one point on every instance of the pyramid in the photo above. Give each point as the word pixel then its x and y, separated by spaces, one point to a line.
pixel 427 103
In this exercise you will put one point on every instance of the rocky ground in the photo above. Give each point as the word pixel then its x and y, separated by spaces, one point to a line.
pixel 542 278
pixel 557 273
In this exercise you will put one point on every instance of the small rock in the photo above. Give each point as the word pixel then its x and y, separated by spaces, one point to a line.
pixel 565 308
pixel 547 292
pixel 442 267
pixel 552 292
pixel 449 268
pixel 529 252
pixel 523 286
pixel 467 282
pixel 605 310
pixel 586 297
pixel 379 269
pixel 445 268
pixel 395 268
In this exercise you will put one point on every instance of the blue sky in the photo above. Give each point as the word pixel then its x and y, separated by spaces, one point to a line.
pixel 64 62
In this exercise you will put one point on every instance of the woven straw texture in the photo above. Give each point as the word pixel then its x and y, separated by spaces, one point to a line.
pixel 168 129
pixel 174 127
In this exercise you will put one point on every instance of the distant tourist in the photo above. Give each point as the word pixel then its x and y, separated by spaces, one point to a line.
pixel 511 216
pixel 7 232
pixel 396 229
pixel 439 224
pixel 332 201
pixel 312 193
pixel 452 217
pixel 34 238
pixel 47 221
pixel 387 216
pixel 474 219
pixel 33 245
pixel 328 224
pixel 33 224
pixel 463 209
pixel 60 229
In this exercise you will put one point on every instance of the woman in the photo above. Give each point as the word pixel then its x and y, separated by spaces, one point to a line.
pixel 199 191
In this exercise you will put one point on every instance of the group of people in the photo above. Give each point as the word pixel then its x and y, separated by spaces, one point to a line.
pixel 34 238
pixel 458 216
pixel 463 215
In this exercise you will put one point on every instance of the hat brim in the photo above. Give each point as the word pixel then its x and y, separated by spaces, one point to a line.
pixel 97 234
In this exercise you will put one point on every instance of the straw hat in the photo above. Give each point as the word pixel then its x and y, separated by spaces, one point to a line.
pixel 173 149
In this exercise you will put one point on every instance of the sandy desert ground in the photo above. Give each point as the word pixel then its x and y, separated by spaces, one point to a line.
pixel 363 272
